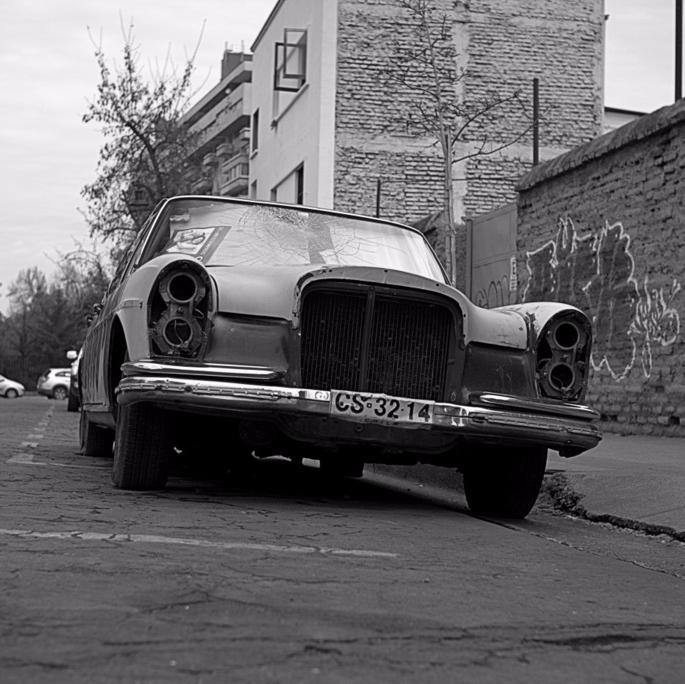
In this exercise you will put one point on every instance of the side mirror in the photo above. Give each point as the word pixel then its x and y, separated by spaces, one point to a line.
pixel 71 355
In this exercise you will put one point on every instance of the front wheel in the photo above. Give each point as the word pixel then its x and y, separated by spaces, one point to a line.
pixel 11 394
pixel 141 447
pixel 60 392
pixel 504 484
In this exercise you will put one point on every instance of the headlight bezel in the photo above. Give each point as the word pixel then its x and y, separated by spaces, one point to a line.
pixel 180 309
pixel 562 357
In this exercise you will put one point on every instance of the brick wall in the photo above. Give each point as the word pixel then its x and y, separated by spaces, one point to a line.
pixel 603 227
pixel 502 46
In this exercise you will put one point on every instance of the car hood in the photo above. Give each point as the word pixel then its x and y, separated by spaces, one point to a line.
pixel 274 292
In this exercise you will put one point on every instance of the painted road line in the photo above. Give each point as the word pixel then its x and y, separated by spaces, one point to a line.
pixel 202 543
pixel 38 432
pixel 23 459
pixel 27 459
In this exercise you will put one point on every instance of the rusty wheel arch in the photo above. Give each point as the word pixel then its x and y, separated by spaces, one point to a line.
pixel 118 353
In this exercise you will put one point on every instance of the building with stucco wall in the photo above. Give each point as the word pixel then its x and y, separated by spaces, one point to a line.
pixel 293 117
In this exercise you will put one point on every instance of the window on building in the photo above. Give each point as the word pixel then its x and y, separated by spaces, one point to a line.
pixel 253 190
pixel 299 184
pixel 273 196
pixel 290 63
pixel 255 130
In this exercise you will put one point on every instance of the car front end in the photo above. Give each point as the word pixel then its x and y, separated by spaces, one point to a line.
pixel 393 362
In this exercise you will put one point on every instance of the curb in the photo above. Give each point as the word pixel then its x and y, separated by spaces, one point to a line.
pixel 557 493
pixel 563 498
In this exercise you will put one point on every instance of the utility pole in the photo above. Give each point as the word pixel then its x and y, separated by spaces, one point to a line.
pixel 678 49
pixel 536 121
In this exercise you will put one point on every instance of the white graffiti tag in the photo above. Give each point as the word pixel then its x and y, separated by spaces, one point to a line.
pixel 595 272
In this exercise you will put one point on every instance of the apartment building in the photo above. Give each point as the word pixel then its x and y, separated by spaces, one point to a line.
pixel 221 122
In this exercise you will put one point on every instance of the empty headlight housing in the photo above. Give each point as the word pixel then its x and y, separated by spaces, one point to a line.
pixel 179 311
pixel 562 357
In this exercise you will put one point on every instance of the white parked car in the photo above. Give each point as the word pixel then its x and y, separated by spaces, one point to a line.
pixel 54 383
pixel 10 389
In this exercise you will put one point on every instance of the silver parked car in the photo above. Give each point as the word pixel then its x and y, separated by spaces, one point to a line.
pixel 10 389
pixel 54 383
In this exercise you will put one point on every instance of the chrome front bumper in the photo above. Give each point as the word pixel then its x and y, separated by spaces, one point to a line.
pixel 570 428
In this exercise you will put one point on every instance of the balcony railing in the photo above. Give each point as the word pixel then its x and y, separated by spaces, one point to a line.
pixel 225 114
pixel 234 175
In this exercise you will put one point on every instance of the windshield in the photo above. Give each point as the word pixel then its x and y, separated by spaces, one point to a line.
pixel 234 234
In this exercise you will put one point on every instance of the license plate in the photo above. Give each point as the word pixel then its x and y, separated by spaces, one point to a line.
pixel 380 408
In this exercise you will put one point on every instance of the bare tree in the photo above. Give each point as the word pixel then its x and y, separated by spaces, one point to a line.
pixel 430 69
pixel 147 148
pixel 47 317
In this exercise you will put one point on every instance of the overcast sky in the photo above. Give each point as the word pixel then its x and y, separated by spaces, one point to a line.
pixel 48 73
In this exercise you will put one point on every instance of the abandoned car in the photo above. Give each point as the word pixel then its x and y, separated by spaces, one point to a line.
pixel 255 328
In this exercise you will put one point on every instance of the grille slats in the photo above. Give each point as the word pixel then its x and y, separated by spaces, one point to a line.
pixel 408 343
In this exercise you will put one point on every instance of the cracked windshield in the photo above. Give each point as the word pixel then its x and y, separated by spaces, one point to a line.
pixel 225 234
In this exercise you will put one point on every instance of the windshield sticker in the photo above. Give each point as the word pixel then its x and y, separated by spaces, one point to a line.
pixel 197 242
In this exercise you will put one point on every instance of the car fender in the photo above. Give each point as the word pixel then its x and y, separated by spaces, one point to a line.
pixel 132 308
pixel 539 314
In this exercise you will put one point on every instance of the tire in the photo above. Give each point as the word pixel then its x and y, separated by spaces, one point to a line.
pixel 141 447
pixel 504 485
pixel 95 440
pixel 60 392
pixel 11 394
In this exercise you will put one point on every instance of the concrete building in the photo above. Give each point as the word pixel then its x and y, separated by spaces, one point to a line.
pixel 615 118
pixel 330 127
pixel 294 96
pixel 221 121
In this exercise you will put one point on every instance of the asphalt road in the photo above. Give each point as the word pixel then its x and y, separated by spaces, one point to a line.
pixel 288 577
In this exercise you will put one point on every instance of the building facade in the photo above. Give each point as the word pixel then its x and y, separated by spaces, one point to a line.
pixel 294 94
pixel 334 125
pixel 220 121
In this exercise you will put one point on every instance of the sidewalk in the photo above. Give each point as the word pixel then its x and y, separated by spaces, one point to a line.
pixel 639 479
pixel 636 478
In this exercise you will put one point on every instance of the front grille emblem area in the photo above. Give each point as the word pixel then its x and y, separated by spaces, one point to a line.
pixel 375 340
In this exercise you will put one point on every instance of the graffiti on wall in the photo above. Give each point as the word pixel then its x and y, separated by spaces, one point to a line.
pixel 502 289
pixel 497 293
pixel 596 273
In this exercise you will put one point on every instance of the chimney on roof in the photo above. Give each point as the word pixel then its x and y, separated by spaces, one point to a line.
pixel 230 61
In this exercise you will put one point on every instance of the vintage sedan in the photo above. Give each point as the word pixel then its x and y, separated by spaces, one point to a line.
pixel 255 329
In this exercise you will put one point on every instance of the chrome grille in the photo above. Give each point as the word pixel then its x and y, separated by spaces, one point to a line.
pixel 375 341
